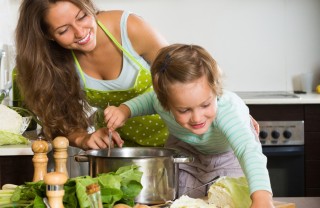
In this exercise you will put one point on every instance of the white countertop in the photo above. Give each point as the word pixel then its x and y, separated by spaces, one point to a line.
pixel 310 98
pixel 15 150
pixel 21 149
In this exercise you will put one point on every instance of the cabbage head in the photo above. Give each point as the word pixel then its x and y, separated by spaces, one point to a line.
pixel 230 192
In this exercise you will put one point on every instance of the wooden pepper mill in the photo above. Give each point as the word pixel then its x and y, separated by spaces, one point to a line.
pixel 60 146
pixel 40 159
pixel 54 188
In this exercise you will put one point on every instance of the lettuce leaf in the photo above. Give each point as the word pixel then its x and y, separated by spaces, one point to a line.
pixel 115 187
pixel 230 191
pixel 7 138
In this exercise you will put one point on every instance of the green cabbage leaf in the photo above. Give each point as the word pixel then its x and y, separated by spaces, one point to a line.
pixel 7 138
pixel 230 191
pixel 116 187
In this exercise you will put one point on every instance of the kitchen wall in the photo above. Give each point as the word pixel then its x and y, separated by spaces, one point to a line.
pixel 261 45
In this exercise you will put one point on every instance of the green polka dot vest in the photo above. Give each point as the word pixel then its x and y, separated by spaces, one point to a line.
pixel 139 131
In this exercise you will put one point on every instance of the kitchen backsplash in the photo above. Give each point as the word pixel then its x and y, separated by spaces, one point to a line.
pixel 261 45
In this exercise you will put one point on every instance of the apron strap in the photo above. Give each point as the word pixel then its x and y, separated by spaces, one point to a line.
pixel 118 44
pixel 114 40
pixel 79 69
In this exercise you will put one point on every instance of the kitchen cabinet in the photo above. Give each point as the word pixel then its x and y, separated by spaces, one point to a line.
pixel 312 146
pixel 16 169
pixel 310 114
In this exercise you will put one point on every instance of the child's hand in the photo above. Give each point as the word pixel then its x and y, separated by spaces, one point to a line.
pixel 261 198
pixel 116 117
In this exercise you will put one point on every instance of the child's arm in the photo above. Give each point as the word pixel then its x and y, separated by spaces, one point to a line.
pixel 116 117
pixel 261 198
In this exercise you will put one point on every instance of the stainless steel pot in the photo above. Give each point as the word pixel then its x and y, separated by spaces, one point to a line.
pixel 160 178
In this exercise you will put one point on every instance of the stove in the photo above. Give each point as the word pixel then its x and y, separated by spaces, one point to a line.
pixel 284 133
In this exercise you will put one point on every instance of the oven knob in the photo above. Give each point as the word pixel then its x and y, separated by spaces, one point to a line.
pixel 287 134
pixel 275 134
pixel 263 134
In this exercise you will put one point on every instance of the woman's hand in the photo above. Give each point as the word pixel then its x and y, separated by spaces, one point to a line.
pixel 255 125
pixel 98 140
pixel 261 199
pixel 116 117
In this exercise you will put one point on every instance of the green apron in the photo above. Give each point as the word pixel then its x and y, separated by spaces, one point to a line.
pixel 139 131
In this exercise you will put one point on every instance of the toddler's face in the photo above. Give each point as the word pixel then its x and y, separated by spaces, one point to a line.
pixel 193 105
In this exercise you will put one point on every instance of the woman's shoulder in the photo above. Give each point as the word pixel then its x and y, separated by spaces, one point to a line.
pixel 112 20
pixel 114 16
pixel 110 17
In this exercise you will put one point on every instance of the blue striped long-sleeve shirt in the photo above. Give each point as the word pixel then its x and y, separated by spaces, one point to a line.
pixel 231 130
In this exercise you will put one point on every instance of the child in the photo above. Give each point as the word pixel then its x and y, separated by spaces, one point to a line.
pixel 212 124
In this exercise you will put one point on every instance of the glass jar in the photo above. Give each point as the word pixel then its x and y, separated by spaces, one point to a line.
pixel 94 195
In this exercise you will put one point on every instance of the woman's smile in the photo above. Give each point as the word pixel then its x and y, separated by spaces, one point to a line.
pixel 71 27
pixel 85 40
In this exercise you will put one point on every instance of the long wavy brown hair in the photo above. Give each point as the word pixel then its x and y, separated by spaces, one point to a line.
pixel 183 63
pixel 46 73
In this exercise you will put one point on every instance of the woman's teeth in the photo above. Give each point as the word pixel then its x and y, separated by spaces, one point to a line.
pixel 85 39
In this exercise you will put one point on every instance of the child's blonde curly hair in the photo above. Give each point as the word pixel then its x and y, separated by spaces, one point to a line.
pixel 183 63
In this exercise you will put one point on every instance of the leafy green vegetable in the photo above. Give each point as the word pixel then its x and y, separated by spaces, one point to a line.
pixel 130 190
pixel 70 196
pixel 121 186
pixel 110 196
pixel 231 191
pixel 110 181
pixel 5 196
pixel 81 183
pixel 7 138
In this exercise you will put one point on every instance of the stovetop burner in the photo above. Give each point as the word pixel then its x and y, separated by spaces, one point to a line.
pixel 267 95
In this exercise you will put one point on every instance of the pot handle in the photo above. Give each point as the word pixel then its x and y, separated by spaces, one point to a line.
pixel 81 158
pixel 182 158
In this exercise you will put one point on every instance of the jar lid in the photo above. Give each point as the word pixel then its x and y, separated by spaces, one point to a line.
pixel 93 188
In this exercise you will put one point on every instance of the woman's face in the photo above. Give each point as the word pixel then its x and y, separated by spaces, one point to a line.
pixel 193 105
pixel 71 27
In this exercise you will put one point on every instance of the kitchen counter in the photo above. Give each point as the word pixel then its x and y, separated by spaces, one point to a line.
pixel 21 149
pixel 301 202
pixel 17 149
pixel 309 98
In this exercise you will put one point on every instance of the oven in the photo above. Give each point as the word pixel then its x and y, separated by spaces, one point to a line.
pixel 283 145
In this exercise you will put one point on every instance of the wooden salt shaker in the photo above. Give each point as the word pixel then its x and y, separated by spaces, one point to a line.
pixel 54 188
pixel 40 159
pixel 60 155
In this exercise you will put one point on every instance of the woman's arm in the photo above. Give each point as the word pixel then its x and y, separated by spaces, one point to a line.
pixel 145 39
pixel 255 125
pixel 96 140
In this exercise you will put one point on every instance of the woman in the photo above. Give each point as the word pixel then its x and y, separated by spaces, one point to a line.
pixel 66 46
pixel 71 56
